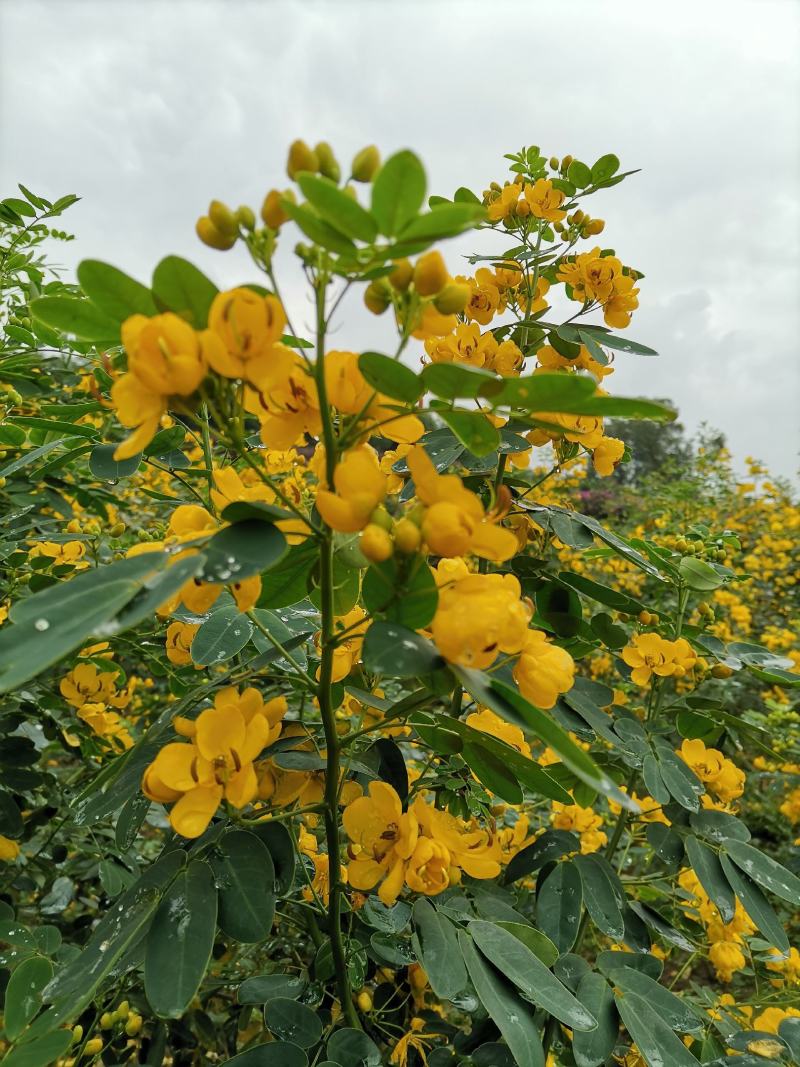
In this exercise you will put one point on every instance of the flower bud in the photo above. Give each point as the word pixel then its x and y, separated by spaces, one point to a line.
pixel 430 274
pixel 245 217
pixel 721 670
pixel 376 297
pixel 522 209
pixel 364 1000
pixel 365 164
pixel 123 1010
pixel 77 1033
pixel 106 1020
pixel 91 1048
pixel 407 537
pixel 554 163
pixel 301 157
pixel 133 1025
pixel 328 165
pixel 578 217
pixel 223 218
pixel 381 517
pixel 565 162
pixel 594 227
pixel 402 274
pixel 118 529
pixel 211 236
pixel 376 543
pixel 452 299
pixel 272 211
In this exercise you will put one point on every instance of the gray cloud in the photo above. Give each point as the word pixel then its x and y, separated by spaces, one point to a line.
pixel 149 109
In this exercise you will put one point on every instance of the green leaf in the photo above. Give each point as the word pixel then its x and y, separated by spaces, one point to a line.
pixel 512 706
pixel 245 876
pixel 113 292
pixel 765 870
pixel 719 826
pixel 435 942
pixel 658 1045
pixel 254 509
pixel 473 430
pixel 453 381
pixel 353 1048
pixel 23 996
pixel 592 1048
pixel 77 318
pixel 605 168
pixel 53 622
pixel 676 1013
pixel 755 904
pixel 603 594
pixel 291 1021
pixel 180 940
pixel 516 962
pixel 610 340
pixel 550 392
pixel 549 846
pixel 318 230
pixel 558 905
pixel 343 212
pixel 263 987
pixel 398 192
pixel 280 844
pixel 708 869
pixel 242 550
pixel 41 1052
pixel 681 781
pixel 274 1054
pixel 290 582
pixel 107 469
pixel 600 895
pixel 446 220
pixel 698 574
pixel 579 174
pixel 397 652
pixel 492 772
pixel 390 377
pixel 180 287
pixel 512 1016
pixel 403 590
pixel 53 426
pixel 539 943
pixel 224 633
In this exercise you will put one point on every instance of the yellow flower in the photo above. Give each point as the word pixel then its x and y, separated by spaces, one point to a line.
pixel 584 821
pixel 243 328
pixel 413 1039
pixel 771 1018
pixel 218 762
pixel 470 847
pixel 543 670
pixel 720 775
pixel 545 201
pixel 650 654
pixel 485 300
pixel 287 405
pixel 788 968
pixel 480 616
pixel 360 486
pixel 9 850
pixel 455 521
pixel 511 839
pixel 179 641
pixel 506 203
pixel 164 360
pixel 106 724
pixel 320 887
pixel 383 838
pixel 85 684
pixel 607 455
pixel 428 868
pixel 71 552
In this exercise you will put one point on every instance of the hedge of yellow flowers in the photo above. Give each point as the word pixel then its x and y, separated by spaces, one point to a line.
pixel 359 707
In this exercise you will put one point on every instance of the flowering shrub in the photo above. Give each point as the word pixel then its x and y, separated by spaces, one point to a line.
pixel 335 730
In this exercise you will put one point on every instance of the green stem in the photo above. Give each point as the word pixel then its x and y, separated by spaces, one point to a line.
pixel 324 697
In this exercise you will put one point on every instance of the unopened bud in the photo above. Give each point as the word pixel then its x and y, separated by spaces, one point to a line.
pixel 364 1000
pixel 376 297
pixel 430 274
pixel 301 157
pixel 246 217
pixel 407 537
pixel 272 211
pixel 554 163
pixel 223 218
pixel 594 227
pixel 565 162
pixel 452 299
pixel 402 274
pixel 365 164
pixel 376 544
pixel 328 165
pixel 133 1025
pixel 91 1048
pixel 211 236
pixel 522 209
pixel 118 529
pixel 721 670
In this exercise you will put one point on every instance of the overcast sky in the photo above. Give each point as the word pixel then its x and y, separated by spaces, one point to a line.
pixel 149 109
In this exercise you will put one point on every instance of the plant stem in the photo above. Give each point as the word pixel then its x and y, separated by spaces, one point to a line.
pixel 327 711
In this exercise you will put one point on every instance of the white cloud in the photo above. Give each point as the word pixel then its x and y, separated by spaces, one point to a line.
pixel 149 109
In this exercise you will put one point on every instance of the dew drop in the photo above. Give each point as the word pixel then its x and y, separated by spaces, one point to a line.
pixel 41 625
